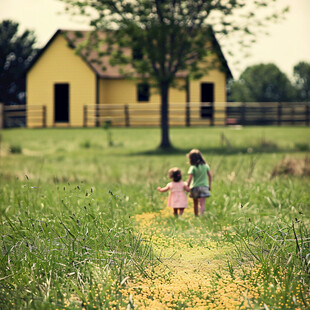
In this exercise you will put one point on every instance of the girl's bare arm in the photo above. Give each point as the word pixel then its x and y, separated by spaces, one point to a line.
pixel 163 189
pixel 210 179
pixel 186 188
pixel 189 180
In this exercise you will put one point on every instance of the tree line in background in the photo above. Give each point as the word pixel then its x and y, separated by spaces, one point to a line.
pixel 16 53
pixel 258 83
pixel 267 83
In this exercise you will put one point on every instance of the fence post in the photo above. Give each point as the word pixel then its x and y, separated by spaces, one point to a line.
pixel 85 116
pixel 1 115
pixel 97 116
pixel 187 107
pixel 126 111
pixel 293 114
pixel 279 113
pixel 212 109
pixel 187 115
pixel 243 107
pixel 44 116
pixel 307 113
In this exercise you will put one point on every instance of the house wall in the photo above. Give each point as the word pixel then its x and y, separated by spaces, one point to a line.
pixel 115 93
pixel 120 91
pixel 59 64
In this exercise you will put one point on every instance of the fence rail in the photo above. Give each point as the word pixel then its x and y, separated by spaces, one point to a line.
pixel 200 114
pixel 268 113
pixel 180 114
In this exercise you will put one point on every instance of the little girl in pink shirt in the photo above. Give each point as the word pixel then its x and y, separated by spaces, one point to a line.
pixel 177 197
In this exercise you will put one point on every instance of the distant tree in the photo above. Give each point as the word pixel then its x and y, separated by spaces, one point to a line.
pixel 167 37
pixel 302 80
pixel 16 52
pixel 262 83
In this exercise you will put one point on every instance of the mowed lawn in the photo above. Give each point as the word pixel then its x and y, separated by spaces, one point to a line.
pixel 83 226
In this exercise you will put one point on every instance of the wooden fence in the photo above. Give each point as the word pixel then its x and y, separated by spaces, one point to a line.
pixel 18 115
pixel 200 114
pixel 268 113
pixel 180 114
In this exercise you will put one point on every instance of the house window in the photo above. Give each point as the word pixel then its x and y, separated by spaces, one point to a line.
pixel 143 92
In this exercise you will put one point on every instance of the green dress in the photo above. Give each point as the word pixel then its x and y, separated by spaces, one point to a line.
pixel 200 175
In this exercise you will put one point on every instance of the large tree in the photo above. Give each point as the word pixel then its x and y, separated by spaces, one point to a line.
pixel 16 52
pixel 302 80
pixel 166 37
pixel 262 83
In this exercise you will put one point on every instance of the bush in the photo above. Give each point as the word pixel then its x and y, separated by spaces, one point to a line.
pixel 293 167
pixel 266 145
pixel 86 144
pixel 15 149
pixel 303 147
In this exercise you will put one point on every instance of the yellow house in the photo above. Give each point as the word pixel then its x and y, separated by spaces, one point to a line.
pixel 71 88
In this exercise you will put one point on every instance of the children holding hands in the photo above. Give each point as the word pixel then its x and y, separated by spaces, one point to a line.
pixel 198 184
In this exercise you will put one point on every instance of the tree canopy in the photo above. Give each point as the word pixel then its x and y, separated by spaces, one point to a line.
pixel 302 80
pixel 16 52
pixel 262 83
pixel 166 37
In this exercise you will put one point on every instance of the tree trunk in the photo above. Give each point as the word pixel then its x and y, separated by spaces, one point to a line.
pixel 164 91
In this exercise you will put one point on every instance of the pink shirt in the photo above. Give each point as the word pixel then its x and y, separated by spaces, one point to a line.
pixel 177 196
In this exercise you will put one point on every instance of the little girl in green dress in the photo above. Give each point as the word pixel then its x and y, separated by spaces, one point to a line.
pixel 199 180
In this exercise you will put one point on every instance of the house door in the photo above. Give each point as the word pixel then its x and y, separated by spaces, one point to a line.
pixel 61 103
pixel 206 95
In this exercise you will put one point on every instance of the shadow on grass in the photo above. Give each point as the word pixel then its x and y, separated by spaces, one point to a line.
pixel 220 150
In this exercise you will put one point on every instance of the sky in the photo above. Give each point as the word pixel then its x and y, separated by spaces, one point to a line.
pixel 287 44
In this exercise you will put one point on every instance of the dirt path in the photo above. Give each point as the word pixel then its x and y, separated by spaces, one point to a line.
pixel 193 272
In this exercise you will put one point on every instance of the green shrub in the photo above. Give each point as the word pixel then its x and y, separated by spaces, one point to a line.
pixel 86 144
pixel 15 149
pixel 302 147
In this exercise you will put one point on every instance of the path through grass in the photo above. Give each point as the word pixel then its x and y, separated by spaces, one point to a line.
pixel 193 271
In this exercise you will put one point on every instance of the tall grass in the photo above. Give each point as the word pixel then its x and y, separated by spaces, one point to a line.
pixel 66 246
pixel 275 239
pixel 68 204
pixel 279 253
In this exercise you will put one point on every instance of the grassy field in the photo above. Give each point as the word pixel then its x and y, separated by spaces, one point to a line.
pixel 82 225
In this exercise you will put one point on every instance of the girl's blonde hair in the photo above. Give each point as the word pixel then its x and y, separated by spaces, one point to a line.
pixel 195 158
pixel 175 174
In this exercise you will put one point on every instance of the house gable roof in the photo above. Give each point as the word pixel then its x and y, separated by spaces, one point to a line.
pixel 73 38
pixel 221 56
pixel 100 65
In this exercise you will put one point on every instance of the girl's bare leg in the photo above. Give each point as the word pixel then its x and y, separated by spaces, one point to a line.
pixel 196 206
pixel 202 202
pixel 175 212
pixel 181 210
